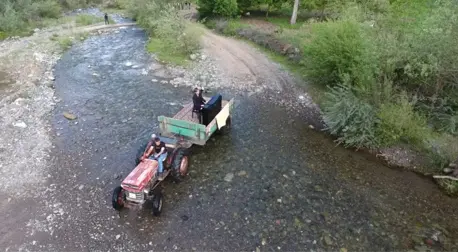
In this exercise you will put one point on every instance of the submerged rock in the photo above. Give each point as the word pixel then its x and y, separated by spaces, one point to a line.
pixel 229 177
pixel 242 173
pixel 327 240
pixel 69 116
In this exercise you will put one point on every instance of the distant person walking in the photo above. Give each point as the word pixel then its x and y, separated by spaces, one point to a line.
pixel 106 19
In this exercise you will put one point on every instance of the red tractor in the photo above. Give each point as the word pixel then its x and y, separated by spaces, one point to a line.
pixel 179 133
pixel 142 183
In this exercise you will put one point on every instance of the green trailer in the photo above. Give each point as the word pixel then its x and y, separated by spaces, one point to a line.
pixel 185 124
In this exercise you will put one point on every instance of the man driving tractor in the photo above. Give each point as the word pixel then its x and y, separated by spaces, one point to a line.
pixel 157 151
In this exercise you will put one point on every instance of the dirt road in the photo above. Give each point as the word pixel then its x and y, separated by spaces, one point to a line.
pixel 228 63
pixel 245 65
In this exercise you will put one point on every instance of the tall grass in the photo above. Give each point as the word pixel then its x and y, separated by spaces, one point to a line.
pixel 87 19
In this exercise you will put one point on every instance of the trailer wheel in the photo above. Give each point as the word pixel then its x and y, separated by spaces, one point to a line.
pixel 180 164
pixel 118 198
pixel 140 152
pixel 157 203
pixel 227 128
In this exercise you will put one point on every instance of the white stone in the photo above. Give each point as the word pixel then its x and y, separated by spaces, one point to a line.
pixel 229 177
pixel 20 124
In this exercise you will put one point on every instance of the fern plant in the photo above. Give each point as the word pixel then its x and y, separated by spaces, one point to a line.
pixel 352 120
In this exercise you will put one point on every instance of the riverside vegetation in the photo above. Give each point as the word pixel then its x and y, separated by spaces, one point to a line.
pixel 172 37
pixel 385 71
pixel 20 18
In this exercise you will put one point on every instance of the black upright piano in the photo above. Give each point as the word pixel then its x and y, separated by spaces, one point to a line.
pixel 211 109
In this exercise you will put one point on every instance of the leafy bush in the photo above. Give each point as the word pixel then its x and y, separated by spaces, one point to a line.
pixel 443 149
pixel 218 8
pixel 20 17
pixel 399 122
pixel 65 43
pixel 190 40
pixel 447 122
pixel 173 37
pixel 408 50
pixel 352 120
pixel 205 8
pixel 48 9
pixel 74 4
pixel 228 27
pixel 449 186
pixel 226 8
pixel 442 114
pixel 340 48
pixel 11 20
pixel 87 19
pixel 117 4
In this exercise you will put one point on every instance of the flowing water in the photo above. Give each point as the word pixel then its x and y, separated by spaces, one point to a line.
pixel 272 183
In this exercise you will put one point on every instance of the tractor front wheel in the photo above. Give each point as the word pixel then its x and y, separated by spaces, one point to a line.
pixel 157 203
pixel 118 198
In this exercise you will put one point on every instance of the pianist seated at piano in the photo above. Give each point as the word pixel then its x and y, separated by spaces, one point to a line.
pixel 198 100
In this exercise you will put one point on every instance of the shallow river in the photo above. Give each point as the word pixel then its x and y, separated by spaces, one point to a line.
pixel 292 188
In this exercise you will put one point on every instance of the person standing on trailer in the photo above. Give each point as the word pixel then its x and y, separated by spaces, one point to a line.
pixel 198 103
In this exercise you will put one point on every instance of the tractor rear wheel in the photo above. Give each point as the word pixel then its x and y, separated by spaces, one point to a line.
pixel 226 128
pixel 157 203
pixel 118 198
pixel 180 164
pixel 140 152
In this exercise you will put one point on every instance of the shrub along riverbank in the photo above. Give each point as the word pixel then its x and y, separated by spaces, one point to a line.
pixel 172 37
pixel 386 71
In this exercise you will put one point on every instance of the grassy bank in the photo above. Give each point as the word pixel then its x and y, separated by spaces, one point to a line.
pixel 20 18
pixel 172 38
pixel 385 75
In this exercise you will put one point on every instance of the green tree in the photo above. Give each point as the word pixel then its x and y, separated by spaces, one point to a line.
pixel 219 8
pixel 225 8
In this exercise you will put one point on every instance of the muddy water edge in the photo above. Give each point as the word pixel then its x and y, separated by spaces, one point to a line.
pixel 272 183
pixel 5 83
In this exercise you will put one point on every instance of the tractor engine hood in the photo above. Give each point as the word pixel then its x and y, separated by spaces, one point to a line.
pixel 139 178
